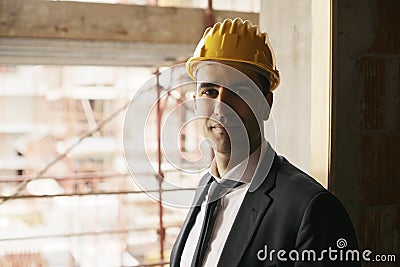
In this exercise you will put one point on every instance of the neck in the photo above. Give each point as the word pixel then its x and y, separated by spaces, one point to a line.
pixel 226 161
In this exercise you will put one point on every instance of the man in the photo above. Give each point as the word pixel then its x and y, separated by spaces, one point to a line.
pixel 266 212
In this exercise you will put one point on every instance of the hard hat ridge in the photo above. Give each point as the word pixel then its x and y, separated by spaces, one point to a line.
pixel 236 41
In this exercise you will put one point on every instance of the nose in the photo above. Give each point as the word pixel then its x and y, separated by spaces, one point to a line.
pixel 221 108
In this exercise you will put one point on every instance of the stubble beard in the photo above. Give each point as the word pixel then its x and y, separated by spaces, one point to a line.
pixel 220 142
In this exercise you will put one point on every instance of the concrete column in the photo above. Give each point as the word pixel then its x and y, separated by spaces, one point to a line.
pixel 299 34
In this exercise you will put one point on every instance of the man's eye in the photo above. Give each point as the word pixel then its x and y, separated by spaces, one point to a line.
pixel 210 92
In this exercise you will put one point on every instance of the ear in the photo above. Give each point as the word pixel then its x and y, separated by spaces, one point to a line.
pixel 270 99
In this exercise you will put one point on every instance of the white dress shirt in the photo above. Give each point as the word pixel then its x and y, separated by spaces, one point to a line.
pixel 229 207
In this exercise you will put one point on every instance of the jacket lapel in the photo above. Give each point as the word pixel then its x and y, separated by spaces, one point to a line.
pixel 251 212
pixel 180 242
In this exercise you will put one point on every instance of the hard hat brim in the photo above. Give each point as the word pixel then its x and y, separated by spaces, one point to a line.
pixel 272 75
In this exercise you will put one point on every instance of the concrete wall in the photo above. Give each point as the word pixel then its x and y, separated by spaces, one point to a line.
pixel 365 171
pixel 291 40
pixel 299 35
pixel 364 118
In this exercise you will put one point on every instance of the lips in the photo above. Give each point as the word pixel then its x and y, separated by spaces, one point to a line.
pixel 220 128
pixel 217 127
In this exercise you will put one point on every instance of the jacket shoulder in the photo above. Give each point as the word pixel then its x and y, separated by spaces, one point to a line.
pixel 300 189
pixel 310 203
pixel 294 180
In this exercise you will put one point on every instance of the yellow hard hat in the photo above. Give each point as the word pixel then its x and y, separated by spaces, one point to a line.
pixel 236 41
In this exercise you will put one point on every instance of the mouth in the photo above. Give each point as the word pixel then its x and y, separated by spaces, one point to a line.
pixel 217 127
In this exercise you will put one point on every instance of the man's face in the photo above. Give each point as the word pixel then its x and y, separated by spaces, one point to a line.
pixel 231 108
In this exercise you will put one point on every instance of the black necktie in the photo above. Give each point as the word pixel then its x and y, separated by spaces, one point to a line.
pixel 216 191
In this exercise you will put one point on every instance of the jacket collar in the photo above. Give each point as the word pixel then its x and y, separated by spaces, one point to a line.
pixel 251 212
pixel 264 177
pixel 248 218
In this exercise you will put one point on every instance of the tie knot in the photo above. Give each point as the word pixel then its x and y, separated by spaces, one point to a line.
pixel 218 190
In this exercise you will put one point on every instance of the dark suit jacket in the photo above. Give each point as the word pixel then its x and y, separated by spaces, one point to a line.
pixel 287 210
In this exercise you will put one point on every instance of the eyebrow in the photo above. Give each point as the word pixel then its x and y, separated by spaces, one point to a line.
pixel 202 85
pixel 236 84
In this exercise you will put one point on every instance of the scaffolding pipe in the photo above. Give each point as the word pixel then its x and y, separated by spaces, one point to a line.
pixel 126 230
pixel 98 193
pixel 71 176
pixel 160 176
pixel 209 14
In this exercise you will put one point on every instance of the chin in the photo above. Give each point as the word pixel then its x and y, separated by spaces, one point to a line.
pixel 221 145
pixel 223 149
